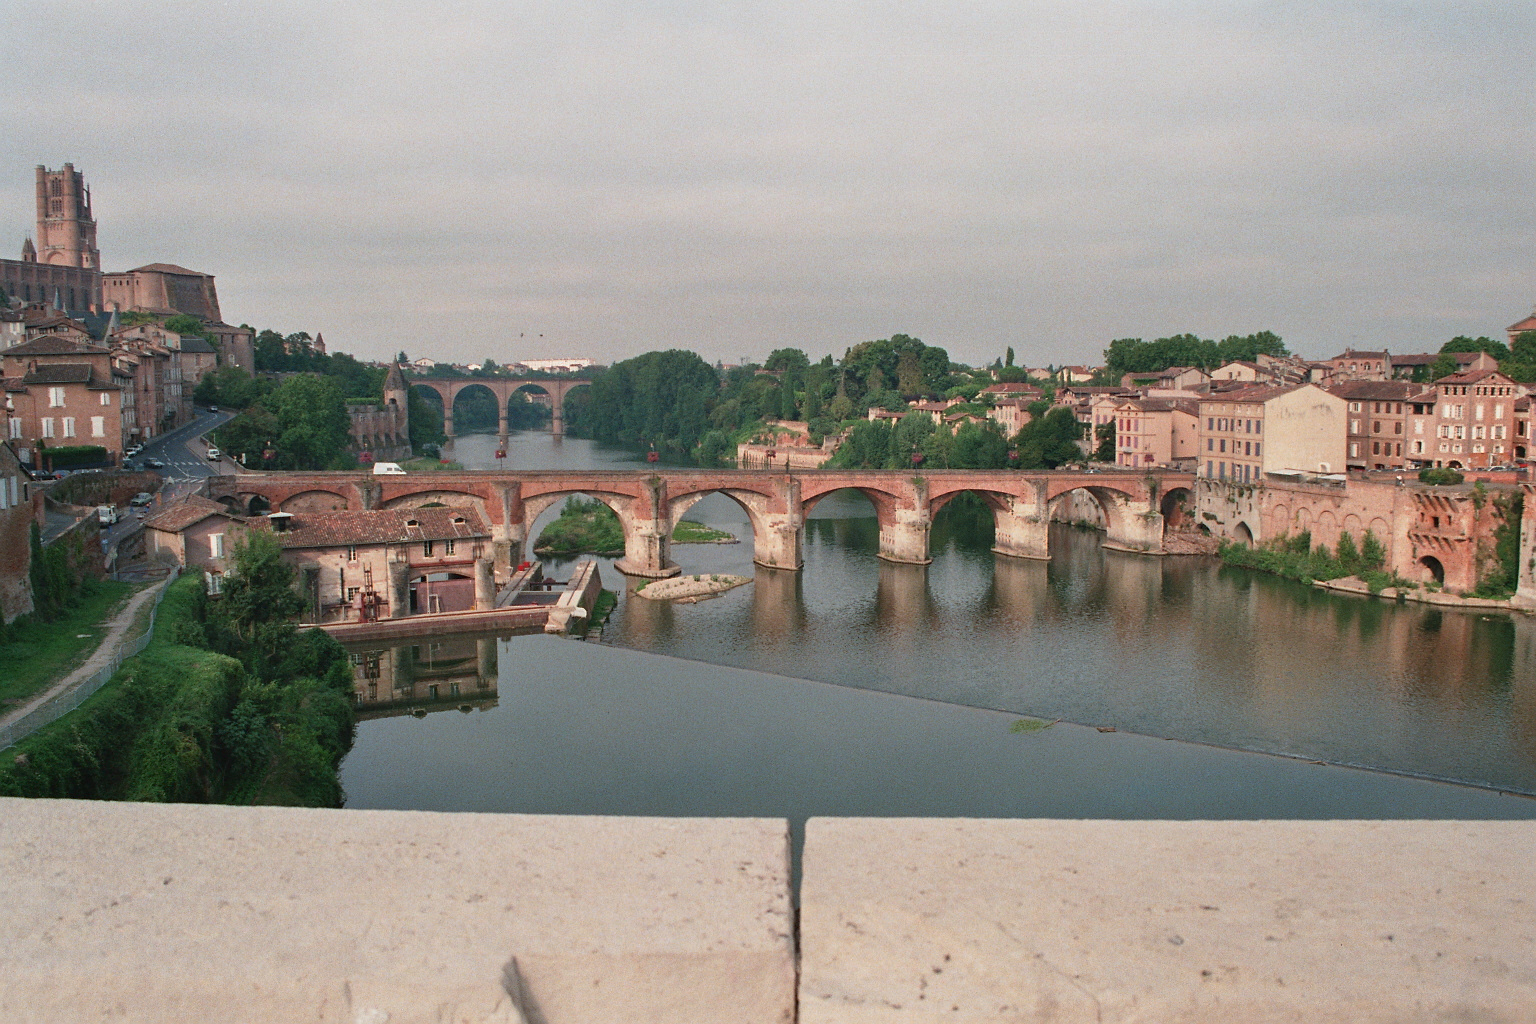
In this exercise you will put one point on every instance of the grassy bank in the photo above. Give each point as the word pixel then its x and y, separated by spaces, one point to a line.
pixel 185 723
pixel 34 654
pixel 426 465
pixel 690 532
pixel 587 526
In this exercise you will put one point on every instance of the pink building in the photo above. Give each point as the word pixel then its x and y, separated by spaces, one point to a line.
pixel 1156 431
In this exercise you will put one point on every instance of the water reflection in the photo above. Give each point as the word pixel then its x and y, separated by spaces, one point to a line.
pixel 1173 647
pixel 436 674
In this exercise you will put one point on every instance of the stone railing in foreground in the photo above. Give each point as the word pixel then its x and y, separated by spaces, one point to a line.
pixel 144 912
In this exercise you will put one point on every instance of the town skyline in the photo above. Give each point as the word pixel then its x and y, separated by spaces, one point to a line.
pixel 619 179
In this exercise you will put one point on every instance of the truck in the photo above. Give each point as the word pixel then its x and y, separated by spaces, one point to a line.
pixel 387 469
pixel 106 515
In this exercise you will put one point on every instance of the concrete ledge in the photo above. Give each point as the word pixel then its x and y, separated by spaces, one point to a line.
pixel 1115 921
pixel 150 912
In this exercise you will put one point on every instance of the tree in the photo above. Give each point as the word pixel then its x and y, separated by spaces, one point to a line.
pixel 1008 360
pixel 1105 432
pixel 259 597
pixel 787 359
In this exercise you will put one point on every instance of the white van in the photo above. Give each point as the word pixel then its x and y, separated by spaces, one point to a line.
pixel 106 515
pixel 387 469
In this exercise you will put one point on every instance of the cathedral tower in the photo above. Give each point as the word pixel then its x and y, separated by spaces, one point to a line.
pixel 66 232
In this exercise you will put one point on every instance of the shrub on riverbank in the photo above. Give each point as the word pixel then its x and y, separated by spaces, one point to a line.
pixel 267 720
pixel 1295 558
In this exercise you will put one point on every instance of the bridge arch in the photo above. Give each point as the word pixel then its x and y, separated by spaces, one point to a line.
pixel 314 501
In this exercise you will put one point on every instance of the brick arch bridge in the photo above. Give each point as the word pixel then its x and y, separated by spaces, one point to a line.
pixel 650 503
pixel 448 388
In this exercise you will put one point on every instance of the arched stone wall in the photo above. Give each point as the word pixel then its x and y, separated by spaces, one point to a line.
pixel 314 501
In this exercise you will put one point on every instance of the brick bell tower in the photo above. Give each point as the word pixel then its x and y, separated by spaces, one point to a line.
pixel 66 232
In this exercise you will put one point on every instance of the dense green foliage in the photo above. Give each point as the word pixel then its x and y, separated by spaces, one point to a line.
pixel 1439 476
pixel 1502 575
pixel 1295 558
pixel 69 456
pixel 58 574
pixel 229 704
pixel 303 422
pixel 659 398
pixel 584 525
pixel 1132 355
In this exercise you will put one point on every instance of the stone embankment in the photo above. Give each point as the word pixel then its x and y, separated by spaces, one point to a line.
pixel 281 914
pixel 686 587
pixel 1355 585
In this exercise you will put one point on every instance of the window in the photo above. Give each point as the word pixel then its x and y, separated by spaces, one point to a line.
pixel 106 398
pixel 98 426
pixel 15 430
pixel 216 545
pixel 1354 406
pixel 55 398
pixel 448 547
pixel 1354 426
pixel 47 426
pixel 69 426
pixel 426 548
pixel 1256 452
pixel 351 552
pixel 1354 449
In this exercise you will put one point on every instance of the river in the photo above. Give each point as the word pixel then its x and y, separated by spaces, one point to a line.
pixel 858 687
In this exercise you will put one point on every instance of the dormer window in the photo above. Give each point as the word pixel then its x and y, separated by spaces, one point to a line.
pixel 412 522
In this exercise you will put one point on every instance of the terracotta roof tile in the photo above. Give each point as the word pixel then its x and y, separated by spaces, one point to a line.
pixel 188 511
pixel 376 526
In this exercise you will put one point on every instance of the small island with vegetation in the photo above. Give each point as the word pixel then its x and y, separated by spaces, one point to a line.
pixel 686 588
pixel 588 526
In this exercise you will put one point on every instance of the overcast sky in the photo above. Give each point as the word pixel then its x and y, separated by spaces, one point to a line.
pixel 458 179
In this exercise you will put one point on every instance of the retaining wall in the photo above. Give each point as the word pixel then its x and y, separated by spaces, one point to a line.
pixel 152 912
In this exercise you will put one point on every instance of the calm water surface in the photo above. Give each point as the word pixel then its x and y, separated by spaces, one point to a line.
pixel 860 687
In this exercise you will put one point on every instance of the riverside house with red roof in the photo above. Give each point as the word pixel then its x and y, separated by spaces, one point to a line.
pixel 406 561
pixel 376 563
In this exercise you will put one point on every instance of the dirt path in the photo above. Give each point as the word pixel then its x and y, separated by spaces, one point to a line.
pixel 117 631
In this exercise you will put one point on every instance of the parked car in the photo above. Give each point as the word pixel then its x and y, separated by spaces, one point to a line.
pixel 154 463
pixel 141 499
pixel 213 408
pixel 214 455
pixel 134 449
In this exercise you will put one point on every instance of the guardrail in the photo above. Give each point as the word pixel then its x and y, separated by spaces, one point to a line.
pixel 71 699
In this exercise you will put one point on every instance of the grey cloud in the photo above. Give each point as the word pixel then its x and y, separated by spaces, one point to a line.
pixel 735 177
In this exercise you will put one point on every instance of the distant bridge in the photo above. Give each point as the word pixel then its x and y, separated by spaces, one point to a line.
pixel 650 502
pixel 448 388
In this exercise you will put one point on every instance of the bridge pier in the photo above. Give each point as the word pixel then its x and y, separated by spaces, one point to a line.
pixel 778 537
pixel 1135 526
pixel 648 549
pixel 905 537
pixel 1023 530
pixel 448 422
pixel 485 585
pixel 557 414
pixel 509 537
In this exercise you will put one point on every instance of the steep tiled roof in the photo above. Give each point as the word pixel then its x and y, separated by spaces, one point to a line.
pixel 1416 359
pixel 198 345
pixel 1376 390
pixel 53 345
pixel 1254 395
pixel 188 511
pixel 377 526
pixel 59 373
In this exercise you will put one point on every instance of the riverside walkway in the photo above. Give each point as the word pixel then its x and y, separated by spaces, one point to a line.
pixel 67 693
